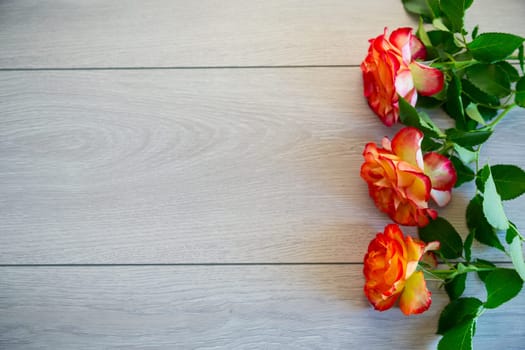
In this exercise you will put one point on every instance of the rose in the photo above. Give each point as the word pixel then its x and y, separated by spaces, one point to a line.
pixel 390 269
pixel 390 70
pixel 401 181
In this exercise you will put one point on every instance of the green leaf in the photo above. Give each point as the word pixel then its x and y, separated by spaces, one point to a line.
pixel 454 10
pixel 428 102
pixel 489 78
pixel 487 113
pixel 441 230
pixel 509 180
pixel 454 106
pixel 509 69
pixel 493 47
pixel 520 57
pixel 428 144
pixel 421 33
pixel 443 42
pixel 467 156
pixel 480 263
pixel 502 285
pixel 459 337
pixel 516 250
pixel 456 286
pixel 476 221
pixel 464 173
pixel 457 312
pixel 438 24
pixel 467 246
pixel 474 114
pixel 516 255
pixel 520 92
pixel 475 32
pixel 481 178
pixel 409 116
pixel 468 138
pixel 428 9
pixel 512 232
pixel 492 207
pixel 478 96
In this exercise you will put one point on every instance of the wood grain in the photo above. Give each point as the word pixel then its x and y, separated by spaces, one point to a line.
pixel 160 33
pixel 184 166
pixel 219 307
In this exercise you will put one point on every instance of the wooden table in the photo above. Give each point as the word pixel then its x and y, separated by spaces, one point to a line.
pixel 185 175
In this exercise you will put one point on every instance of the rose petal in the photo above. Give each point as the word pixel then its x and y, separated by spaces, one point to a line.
pixel 417 48
pixel 400 38
pixel 427 80
pixel 440 170
pixel 440 197
pixel 429 258
pixel 385 142
pixel 407 146
pixel 415 298
pixel 404 82
pixel 379 301
pixel 415 250
pixel 434 245
pixel 416 187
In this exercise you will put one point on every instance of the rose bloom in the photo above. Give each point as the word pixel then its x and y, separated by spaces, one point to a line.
pixel 390 272
pixel 401 180
pixel 390 70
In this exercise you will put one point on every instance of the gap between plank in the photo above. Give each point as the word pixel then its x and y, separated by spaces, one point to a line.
pixel 182 264
pixel 199 264
pixel 28 69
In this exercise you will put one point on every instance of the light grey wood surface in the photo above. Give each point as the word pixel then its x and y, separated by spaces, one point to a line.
pixel 102 33
pixel 160 208
pixel 199 166
pixel 217 307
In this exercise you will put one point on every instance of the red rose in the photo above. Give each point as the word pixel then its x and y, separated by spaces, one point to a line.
pixel 390 70
pixel 401 180
pixel 390 269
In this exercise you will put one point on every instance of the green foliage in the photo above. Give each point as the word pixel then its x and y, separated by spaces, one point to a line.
pixel 509 180
pixel 478 96
pixel 454 105
pixel 482 84
pixel 474 113
pixel 410 117
pixel 443 43
pixel 427 9
pixel 468 138
pixel 489 78
pixel 509 69
pixel 477 223
pixel 458 312
pixel 514 239
pixel 502 285
pixel 492 206
pixel 459 337
pixel 467 246
pixel 494 47
pixel 454 11
pixel 520 92
pixel 486 267
pixel 464 173
pixel 520 57
pixel 456 286
pixel 441 230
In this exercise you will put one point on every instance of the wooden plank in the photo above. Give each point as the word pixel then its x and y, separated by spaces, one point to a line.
pixel 209 32
pixel 195 166
pixel 216 307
